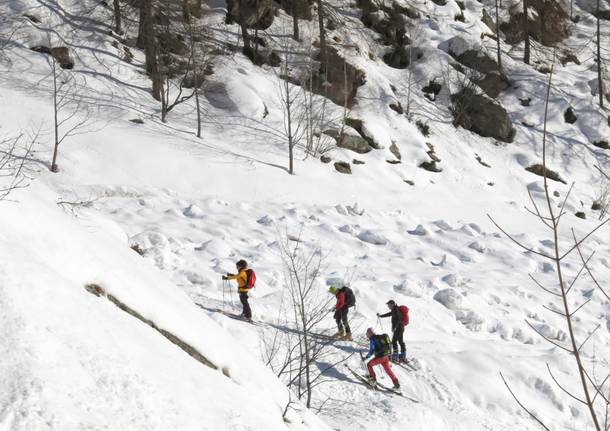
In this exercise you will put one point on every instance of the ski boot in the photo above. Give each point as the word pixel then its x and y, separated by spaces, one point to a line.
pixel 396 385
pixel 339 334
pixel 394 357
pixel 372 381
pixel 402 358
pixel 347 337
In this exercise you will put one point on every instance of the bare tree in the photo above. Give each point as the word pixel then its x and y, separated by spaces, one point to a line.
pixel 600 82
pixel 322 32
pixel 117 16
pixel 71 115
pixel 307 306
pixel 14 164
pixel 592 392
pixel 498 40
pixel 526 32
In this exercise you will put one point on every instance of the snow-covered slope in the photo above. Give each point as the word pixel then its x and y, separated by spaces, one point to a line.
pixel 73 360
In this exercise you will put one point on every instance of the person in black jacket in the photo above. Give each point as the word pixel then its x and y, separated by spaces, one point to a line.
pixel 398 330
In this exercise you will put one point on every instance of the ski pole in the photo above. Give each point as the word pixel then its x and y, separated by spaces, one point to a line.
pixel 223 294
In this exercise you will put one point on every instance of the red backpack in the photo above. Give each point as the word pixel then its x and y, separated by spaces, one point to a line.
pixel 250 279
pixel 404 311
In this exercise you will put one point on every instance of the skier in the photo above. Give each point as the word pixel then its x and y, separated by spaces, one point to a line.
pixel 379 345
pixel 400 318
pixel 245 282
pixel 345 299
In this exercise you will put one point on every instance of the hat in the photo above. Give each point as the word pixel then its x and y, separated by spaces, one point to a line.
pixel 391 302
pixel 333 289
pixel 241 264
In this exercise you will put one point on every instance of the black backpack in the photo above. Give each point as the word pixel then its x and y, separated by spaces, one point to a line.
pixel 350 298
pixel 383 345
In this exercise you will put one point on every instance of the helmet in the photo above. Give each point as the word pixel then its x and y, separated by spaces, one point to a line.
pixel 370 332
pixel 333 289
pixel 241 264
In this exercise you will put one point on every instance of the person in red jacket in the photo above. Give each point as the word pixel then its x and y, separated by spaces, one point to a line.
pixel 398 330
pixel 341 309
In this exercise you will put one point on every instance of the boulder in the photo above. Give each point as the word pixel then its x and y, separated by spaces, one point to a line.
pixel 62 55
pixel 172 43
pixel 302 8
pixel 493 83
pixel 548 24
pixel 570 116
pixel 257 14
pixel 539 169
pixel 481 115
pixel 401 57
pixel 338 79
pixel 353 143
pixel 343 167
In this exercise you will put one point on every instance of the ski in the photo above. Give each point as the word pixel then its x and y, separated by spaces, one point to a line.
pixel 234 316
pixel 405 366
pixel 361 378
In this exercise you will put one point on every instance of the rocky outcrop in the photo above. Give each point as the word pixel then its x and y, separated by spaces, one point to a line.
pixel 339 80
pixel 481 115
pixel 61 54
pixel 401 57
pixel 302 8
pixel 489 77
pixel 548 24
pixel 343 167
pixel 257 14
pixel 541 171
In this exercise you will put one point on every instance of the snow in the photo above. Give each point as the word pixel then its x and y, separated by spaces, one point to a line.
pixel 72 361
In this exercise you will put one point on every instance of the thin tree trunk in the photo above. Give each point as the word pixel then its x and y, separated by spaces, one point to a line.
pixel 526 33
pixel 498 35
pixel 322 33
pixel 198 112
pixel 244 29
pixel 600 82
pixel 289 124
pixel 557 260
pixel 295 25
pixel 117 17
pixel 54 167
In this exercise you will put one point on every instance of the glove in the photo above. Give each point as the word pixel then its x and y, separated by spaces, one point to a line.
pixel 332 310
pixel 378 315
pixel 224 277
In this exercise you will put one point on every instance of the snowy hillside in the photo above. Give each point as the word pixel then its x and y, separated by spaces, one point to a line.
pixel 110 268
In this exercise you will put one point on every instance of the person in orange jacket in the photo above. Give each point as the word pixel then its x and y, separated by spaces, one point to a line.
pixel 242 278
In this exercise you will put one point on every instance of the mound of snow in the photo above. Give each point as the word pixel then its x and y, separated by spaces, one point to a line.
pixel 451 299
pixel 372 237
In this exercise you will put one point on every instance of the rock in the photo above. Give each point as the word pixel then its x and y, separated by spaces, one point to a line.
pixel 525 102
pixel 548 23
pixel 430 166
pixel 343 167
pixel 538 169
pixel 302 8
pixel 136 120
pixel 357 162
pixel 482 115
pixel 493 83
pixel 581 215
pixel 420 230
pixel 433 87
pixel 570 116
pixel 338 80
pixel 358 125
pixel 61 54
pixel 393 162
pixel 394 150
pixel 401 57
pixel 265 220
pixel 397 107
pixel 602 144
pixel 353 143
pixel 257 14
pixel 325 159
pixel 568 57
pixel 173 43
pixel 409 182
